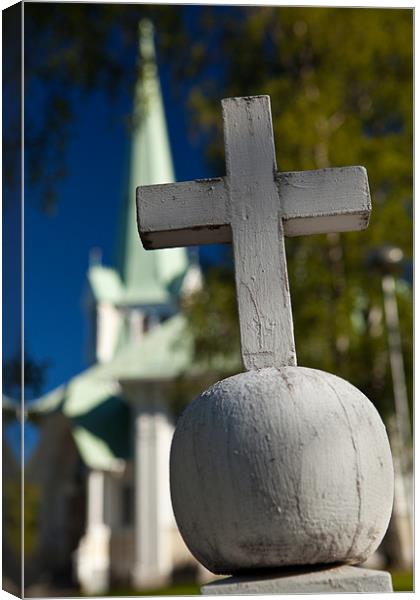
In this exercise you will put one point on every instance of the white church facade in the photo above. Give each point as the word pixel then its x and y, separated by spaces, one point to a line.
pixel 102 464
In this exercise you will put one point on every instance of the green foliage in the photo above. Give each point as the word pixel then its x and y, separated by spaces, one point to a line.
pixel 12 497
pixel 340 82
pixel 34 374
pixel 214 310
pixel 212 314
pixel 341 87
pixel 12 515
pixel 402 582
pixel 180 589
pixel 72 51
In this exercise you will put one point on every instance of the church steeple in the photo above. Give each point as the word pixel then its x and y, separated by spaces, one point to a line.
pixel 147 275
pixel 143 288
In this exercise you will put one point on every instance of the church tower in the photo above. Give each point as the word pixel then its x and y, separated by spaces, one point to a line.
pixel 143 288
pixel 117 412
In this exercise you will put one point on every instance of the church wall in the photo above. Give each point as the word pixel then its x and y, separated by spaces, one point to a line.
pixel 119 514
pixel 108 326
pixel 53 480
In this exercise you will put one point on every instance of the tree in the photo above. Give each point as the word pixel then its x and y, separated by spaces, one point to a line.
pixel 32 374
pixel 340 82
pixel 72 51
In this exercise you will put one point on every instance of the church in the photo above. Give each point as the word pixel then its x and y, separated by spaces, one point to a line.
pixel 100 472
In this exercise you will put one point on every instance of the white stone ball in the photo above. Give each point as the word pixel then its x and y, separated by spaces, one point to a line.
pixel 281 467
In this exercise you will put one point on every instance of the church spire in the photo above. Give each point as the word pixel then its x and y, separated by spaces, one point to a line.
pixel 147 275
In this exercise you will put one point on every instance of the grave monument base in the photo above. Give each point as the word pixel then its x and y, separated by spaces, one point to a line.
pixel 337 579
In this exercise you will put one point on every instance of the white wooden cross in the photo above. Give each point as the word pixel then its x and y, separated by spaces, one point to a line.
pixel 254 207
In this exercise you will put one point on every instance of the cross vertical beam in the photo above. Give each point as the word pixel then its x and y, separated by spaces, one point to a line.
pixel 257 234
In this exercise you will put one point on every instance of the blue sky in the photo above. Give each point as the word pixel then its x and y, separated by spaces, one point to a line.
pixel 89 199
pixel 57 246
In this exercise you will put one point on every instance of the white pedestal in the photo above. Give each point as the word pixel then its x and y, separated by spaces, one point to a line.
pixel 326 580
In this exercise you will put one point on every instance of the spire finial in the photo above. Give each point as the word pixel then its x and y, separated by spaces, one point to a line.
pixel 147 83
pixel 146 40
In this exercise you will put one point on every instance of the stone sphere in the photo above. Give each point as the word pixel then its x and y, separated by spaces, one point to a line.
pixel 281 467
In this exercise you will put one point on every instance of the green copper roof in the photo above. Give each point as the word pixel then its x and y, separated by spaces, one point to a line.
pixel 96 452
pixel 99 415
pixel 100 418
pixel 164 353
pixel 91 400
pixel 106 284
pixel 147 275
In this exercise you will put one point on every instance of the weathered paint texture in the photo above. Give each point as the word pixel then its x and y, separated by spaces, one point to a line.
pixel 336 580
pixel 262 286
pixel 254 207
pixel 281 467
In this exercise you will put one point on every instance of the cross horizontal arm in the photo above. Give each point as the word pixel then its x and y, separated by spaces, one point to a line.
pixel 196 212
pixel 324 201
pixel 183 214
